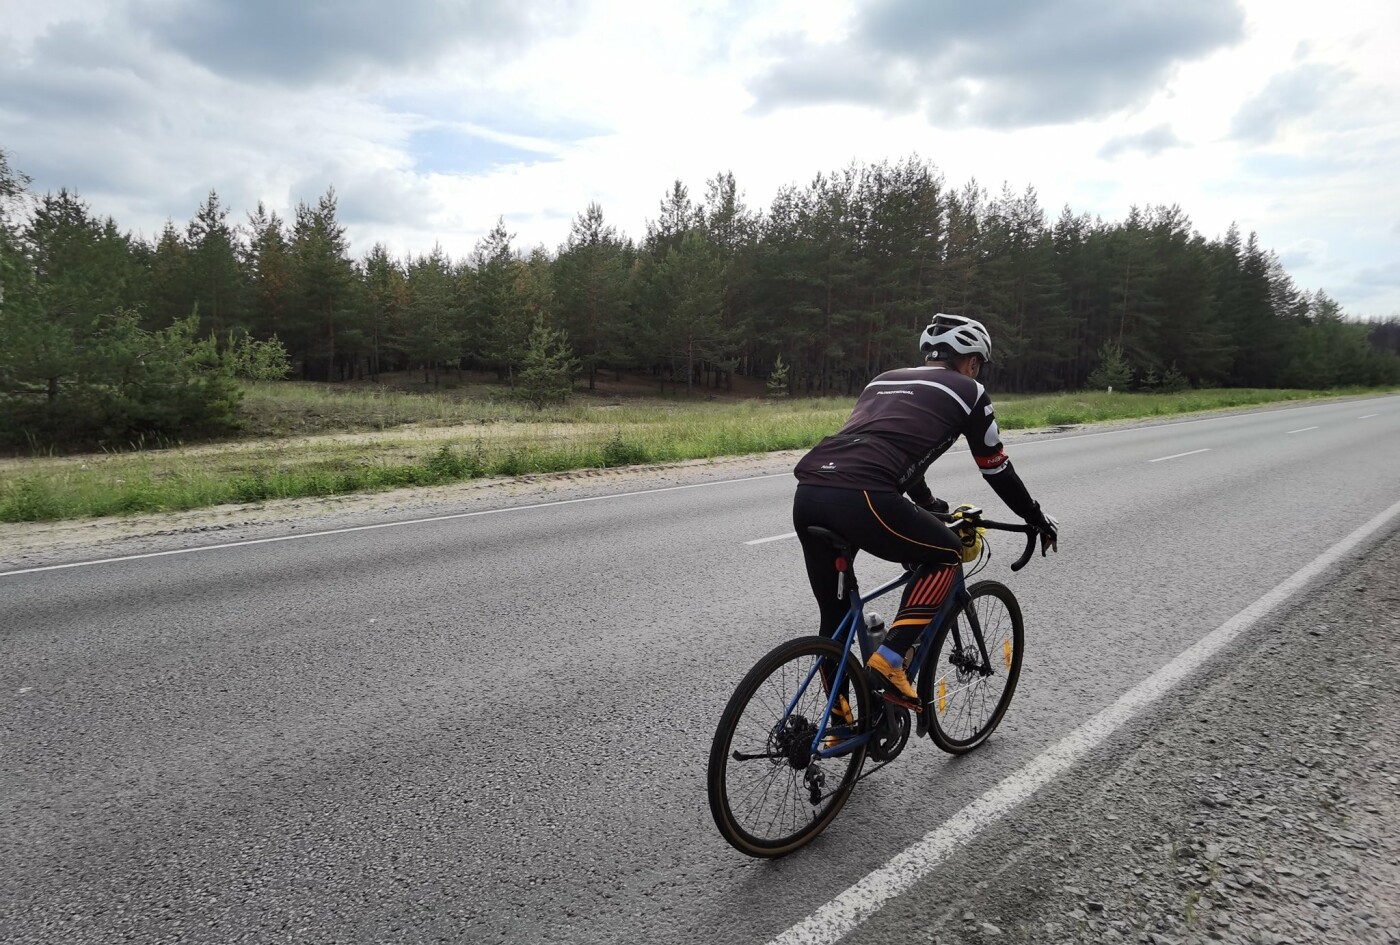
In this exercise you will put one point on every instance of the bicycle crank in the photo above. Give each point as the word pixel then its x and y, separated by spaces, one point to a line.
pixel 891 733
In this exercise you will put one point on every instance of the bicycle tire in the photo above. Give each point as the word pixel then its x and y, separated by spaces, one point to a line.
pixel 737 786
pixel 956 696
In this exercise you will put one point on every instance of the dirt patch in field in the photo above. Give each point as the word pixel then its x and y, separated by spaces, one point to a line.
pixel 458 435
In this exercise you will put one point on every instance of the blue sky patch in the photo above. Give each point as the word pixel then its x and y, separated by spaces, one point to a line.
pixel 445 149
pixel 1280 166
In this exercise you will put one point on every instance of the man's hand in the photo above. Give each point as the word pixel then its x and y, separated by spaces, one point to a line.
pixel 1048 527
pixel 935 505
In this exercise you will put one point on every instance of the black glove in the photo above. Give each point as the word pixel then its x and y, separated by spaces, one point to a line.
pixel 1047 528
pixel 935 505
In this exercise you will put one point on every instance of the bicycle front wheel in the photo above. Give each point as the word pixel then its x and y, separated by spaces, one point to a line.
pixel 966 687
pixel 769 792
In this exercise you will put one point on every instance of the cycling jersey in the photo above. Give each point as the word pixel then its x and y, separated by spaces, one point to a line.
pixel 902 422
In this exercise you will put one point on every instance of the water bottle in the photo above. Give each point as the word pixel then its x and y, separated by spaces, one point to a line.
pixel 875 629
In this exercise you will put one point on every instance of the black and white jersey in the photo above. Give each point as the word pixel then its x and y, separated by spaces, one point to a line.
pixel 902 422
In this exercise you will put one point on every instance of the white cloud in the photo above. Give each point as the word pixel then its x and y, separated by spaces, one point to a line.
pixel 1151 142
pixel 532 115
pixel 1014 64
pixel 308 43
pixel 1288 96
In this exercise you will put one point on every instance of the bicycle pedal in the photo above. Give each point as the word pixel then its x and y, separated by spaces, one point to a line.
pixel 894 698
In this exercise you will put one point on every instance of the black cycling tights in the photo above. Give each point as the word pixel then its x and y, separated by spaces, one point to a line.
pixel 889 526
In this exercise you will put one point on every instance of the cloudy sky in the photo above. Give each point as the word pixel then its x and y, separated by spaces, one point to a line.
pixel 431 118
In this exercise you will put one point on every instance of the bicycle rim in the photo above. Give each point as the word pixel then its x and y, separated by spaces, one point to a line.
pixel 964 697
pixel 763 805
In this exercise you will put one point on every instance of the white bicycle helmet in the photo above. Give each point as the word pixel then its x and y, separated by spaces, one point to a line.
pixel 956 334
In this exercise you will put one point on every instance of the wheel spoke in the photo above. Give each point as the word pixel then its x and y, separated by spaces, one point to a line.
pixel 763 805
pixel 969 704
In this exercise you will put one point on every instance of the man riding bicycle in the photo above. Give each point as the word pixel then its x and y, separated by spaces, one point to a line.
pixel 854 482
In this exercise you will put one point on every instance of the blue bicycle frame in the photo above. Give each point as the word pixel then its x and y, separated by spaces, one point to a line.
pixel 854 623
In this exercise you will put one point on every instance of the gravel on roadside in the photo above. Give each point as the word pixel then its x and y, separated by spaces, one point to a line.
pixel 35 544
pixel 1261 805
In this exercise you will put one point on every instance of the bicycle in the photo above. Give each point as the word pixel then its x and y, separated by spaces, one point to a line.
pixel 780 769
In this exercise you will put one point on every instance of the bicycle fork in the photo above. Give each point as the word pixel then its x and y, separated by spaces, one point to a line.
pixel 958 600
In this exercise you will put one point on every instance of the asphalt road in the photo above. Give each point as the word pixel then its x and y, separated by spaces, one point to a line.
pixel 494 728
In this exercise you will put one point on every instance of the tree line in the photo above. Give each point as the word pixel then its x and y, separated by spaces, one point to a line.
pixel 833 280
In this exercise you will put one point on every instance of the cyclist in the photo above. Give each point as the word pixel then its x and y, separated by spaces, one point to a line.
pixel 854 483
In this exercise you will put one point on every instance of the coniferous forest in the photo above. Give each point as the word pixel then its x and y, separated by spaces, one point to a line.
pixel 835 278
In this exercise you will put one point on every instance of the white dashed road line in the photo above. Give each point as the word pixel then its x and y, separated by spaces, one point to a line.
pixel 1162 459
pixel 764 541
pixel 1303 430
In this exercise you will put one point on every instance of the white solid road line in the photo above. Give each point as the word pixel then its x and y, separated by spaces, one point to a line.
pixel 365 528
pixel 858 902
pixel 1163 459
pixel 1303 430
pixel 764 541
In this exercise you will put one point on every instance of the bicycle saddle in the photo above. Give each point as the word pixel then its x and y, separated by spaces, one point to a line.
pixel 841 545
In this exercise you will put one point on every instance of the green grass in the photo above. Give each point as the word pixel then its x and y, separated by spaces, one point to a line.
pixel 391 440
pixel 1042 410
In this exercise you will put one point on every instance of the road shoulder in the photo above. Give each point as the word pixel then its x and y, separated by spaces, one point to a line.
pixel 1261 806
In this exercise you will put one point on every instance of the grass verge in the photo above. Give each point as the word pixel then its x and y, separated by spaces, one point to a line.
pixel 481 438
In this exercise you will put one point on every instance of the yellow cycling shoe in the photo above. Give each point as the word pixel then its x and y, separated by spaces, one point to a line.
pixel 892 679
pixel 842 721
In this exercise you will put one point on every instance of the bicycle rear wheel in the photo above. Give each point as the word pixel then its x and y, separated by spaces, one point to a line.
pixel 769 793
pixel 964 696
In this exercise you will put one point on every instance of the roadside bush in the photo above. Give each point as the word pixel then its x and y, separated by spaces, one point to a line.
pixel 1173 381
pixel 447 465
pixel 1062 416
pixel 254 488
pixel 619 452
pixel 777 385
pixel 106 381
pixel 30 500
pixel 1170 381
pixel 547 376
pixel 513 463
pixel 1113 371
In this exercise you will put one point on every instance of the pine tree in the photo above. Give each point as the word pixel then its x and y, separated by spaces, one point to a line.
pixel 1113 372
pixel 678 217
pixel 732 229
pixel 267 267
pixel 169 298
pixel 80 270
pixel 589 287
pixel 322 279
pixel 683 323
pixel 386 297
pixel 497 305
pixel 548 366
pixel 432 336
pixel 214 280
pixel 76 367
pixel 778 379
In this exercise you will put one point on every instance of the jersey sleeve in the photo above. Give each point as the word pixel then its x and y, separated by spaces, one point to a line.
pixel 919 492
pixel 984 442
